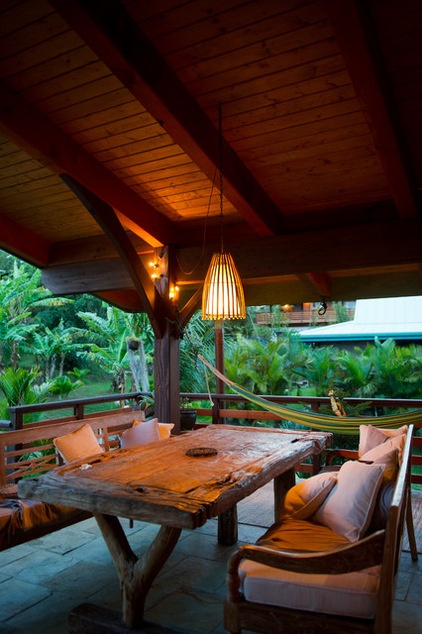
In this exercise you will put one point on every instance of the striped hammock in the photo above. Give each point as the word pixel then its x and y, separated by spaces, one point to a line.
pixel 334 424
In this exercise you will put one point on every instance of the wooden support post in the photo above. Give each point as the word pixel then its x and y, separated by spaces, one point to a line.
pixel 227 527
pixel 282 484
pixel 167 378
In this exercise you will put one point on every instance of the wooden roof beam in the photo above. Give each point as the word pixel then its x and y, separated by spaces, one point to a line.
pixel 109 30
pixel 30 129
pixel 155 306
pixel 357 38
pixel 23 243
pixel 375 245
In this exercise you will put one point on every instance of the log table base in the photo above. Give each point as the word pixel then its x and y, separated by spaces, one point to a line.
pixel 136 574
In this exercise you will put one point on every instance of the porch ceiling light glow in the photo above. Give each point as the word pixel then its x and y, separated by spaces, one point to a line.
pixel 223 296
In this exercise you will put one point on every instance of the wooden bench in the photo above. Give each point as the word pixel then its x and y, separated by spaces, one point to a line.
pixel 381 549
pixel 29 452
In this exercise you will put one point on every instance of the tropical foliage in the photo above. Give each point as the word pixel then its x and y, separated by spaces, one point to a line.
pixel 49 346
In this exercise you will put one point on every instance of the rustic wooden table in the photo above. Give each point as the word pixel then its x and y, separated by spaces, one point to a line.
pixel 160 483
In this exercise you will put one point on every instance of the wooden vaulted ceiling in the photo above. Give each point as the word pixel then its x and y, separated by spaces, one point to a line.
pixel 109 145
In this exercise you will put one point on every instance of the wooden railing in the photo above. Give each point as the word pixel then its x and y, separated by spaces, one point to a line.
pixel 70 408
pixel 217 412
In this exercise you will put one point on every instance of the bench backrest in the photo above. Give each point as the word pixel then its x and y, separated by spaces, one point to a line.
pixel 30 451
pixel 399 506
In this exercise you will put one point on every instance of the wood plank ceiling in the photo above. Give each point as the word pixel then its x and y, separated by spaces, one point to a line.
pixel 109 145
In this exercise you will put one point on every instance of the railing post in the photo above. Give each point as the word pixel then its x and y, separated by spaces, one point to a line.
pixel 16 419
pixel 215 411
pixel 78 411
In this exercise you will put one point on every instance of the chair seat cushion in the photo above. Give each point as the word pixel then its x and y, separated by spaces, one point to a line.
pixel 352 594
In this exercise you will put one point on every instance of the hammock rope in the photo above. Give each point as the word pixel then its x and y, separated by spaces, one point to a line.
pixel 348 425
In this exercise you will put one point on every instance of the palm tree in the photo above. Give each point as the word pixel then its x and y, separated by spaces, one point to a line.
pixel 108 340
pixel 21 295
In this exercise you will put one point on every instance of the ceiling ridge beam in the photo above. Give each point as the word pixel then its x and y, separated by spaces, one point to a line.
pixel 108 29
pixel 21 122
pixel 358 41
pixel 379 244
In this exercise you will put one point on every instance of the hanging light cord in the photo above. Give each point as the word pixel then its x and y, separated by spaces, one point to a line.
pixel 220 153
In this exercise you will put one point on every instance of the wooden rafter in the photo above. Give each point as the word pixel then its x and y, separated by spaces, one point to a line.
pixel 154 305
pixel 33 131
pixel 357 39
pixel 109 30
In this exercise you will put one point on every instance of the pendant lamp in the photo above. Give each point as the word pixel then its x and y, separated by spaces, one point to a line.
pixel 223 296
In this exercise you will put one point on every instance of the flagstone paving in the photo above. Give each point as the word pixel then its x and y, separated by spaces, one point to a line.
pixel 42 581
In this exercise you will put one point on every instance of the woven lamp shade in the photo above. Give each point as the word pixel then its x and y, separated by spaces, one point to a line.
pixel 223 296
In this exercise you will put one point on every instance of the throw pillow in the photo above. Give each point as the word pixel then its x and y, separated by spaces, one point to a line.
pixel 163 428
pixel 78 444
pixel 141 434
pixel 305 498
pixel 388 454
pixel 349 507
pixel 370 436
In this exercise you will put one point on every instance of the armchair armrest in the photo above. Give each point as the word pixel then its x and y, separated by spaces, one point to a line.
pixel 346 454
pixel 359 555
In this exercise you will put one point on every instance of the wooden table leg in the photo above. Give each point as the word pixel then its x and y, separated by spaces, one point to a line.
pixel 282 484
pixel 227 527
pixel 136 575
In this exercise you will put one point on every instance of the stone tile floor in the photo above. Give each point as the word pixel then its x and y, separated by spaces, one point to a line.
pixel 42 581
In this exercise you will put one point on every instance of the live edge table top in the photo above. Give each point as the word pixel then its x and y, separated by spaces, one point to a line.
pixel 159 483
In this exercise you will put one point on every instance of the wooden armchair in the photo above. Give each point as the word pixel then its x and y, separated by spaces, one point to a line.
pixel 380 549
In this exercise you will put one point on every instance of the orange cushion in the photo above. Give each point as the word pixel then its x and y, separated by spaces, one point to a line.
pixel 78 444
pixel 305 498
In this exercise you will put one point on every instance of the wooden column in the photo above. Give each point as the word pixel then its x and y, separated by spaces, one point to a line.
pixel 167 377
pixel 166 347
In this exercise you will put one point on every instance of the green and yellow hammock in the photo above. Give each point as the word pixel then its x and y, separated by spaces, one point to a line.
pixel 334 424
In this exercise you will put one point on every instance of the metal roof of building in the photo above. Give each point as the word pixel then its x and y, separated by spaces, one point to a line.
pixel 397 318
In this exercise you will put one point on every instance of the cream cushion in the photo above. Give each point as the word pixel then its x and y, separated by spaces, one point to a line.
pixel 352 594
pixel 141 434
pixel 349 507
pixel 370 436
pixel 78 444
pixel 163 428
pixel 305 498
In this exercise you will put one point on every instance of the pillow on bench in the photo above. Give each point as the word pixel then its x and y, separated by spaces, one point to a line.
pixel 349 507
pixel 371 437
pixel 163 428
pixel 141 434
pixel 389 453
pixel 305 498
pixel 78 444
